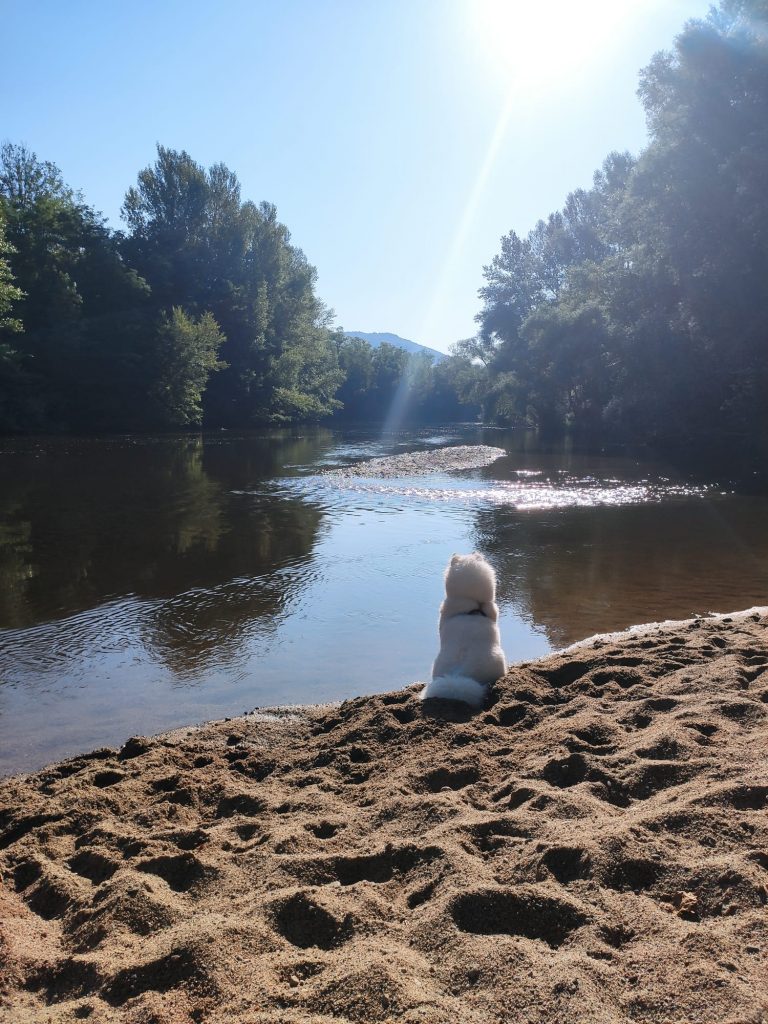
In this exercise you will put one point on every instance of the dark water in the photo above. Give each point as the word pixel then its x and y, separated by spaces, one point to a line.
pixel 151 582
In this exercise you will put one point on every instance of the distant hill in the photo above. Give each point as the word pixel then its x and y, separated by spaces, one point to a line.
pixel 375 339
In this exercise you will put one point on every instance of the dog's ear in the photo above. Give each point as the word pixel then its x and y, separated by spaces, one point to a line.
pixel 455 559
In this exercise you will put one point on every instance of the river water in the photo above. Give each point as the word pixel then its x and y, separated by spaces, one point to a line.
pixel 151 582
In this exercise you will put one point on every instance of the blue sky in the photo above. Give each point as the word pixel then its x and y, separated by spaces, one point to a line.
pixel 399 139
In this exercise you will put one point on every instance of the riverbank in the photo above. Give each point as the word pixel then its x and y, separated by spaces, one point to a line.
pixel 589 848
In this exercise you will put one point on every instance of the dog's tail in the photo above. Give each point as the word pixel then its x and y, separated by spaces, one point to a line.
pixel 455 688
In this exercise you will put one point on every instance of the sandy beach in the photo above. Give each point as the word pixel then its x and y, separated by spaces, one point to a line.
pixel 592 847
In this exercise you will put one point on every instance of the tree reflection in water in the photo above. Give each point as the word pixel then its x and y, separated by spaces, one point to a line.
pixel 183 523
pixel 579 571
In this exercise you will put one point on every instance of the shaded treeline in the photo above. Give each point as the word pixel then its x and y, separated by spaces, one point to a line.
pixel 641 308
pixel 201 310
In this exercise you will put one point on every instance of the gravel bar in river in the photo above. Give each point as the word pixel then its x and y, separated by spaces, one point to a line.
pixel 439 460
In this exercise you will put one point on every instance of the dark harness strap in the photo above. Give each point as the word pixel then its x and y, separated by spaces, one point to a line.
pixel 477 611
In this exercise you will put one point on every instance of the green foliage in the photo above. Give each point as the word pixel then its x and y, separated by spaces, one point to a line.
pixel 309 377
pixel 453 392
pixel 385 382
pixel 640 308
pixel 197 244
pixel 186 356
pixel 79 301
pixel 9 293
pixel 125 332
pixel 355 358
pixel 10 360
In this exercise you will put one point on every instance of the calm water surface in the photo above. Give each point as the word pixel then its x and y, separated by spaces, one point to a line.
pixel 147 583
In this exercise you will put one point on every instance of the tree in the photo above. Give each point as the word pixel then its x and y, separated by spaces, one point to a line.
pixel 701 188
pixel 641 306
pixel 199 245
pixel 355 356
pixel 11 371
pixel 451 392
pixel 308 378
pixel 78 297
pixel 186 356
pixel 10 294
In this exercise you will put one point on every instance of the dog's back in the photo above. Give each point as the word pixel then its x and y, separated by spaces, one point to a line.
pixel 470 656
pixel 470 645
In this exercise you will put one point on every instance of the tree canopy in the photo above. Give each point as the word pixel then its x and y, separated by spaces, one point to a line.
pixel 640 307
pixel 639 310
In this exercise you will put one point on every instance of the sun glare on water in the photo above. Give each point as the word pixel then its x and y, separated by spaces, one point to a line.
pixel 544 44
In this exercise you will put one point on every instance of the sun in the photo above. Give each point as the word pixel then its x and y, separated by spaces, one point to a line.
pixel 545 43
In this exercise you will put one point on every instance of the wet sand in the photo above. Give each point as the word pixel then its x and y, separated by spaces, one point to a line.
pixel 593 847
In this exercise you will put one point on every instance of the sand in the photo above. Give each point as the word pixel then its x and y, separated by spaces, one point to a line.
pixel 593 847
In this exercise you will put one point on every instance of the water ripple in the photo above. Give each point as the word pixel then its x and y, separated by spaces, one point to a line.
pixel 528 491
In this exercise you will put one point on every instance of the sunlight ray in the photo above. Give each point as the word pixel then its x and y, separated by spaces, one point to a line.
pixel 467 217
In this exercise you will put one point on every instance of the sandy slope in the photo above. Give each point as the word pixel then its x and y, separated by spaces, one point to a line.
pixel 592 848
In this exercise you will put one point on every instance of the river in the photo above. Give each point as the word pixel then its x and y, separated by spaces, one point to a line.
pixel 152 582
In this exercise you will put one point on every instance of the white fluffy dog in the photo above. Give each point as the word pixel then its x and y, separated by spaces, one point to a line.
pixel 470 656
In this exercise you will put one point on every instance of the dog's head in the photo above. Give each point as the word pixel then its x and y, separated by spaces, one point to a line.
pixel 470 576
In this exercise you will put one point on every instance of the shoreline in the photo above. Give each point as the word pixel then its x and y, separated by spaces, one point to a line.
pixel 650 627
pixel 284 712
pixel 299 711
pixel 589 847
